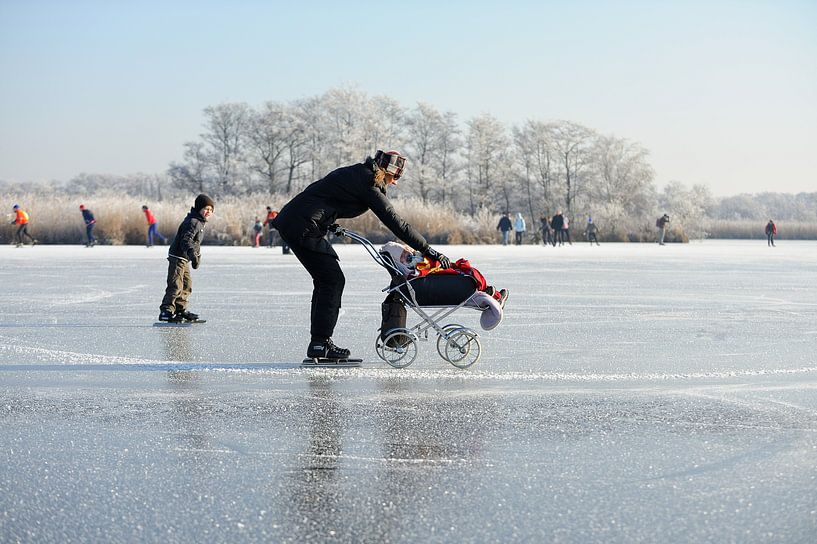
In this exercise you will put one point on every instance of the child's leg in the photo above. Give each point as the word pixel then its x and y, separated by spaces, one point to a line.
pixel 175 285
pixel 187 288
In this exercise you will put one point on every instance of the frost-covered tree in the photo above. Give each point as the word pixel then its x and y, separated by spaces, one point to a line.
pixel 535 158
pixel 267 141
pixel 192 173
pixel 487 171
pixel 225 129
pixel 432 141
pixel 573 146
pixel 687 207
pixel 624 177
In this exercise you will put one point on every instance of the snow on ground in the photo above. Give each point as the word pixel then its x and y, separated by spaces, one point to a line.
pixel 632 393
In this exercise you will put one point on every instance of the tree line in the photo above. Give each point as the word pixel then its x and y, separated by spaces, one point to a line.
pixel 535 168
pixel 473 166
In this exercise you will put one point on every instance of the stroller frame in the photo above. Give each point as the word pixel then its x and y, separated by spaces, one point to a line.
pixel 457 344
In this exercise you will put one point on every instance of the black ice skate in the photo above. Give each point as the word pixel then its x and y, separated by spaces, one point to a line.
pixel 189 317
pixel 326 353
pixel 168 317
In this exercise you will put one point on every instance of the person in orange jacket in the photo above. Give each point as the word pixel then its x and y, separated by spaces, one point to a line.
pixel 21 219
pixel 152 226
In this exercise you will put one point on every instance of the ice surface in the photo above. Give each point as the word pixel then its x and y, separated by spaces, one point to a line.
pixel 633 393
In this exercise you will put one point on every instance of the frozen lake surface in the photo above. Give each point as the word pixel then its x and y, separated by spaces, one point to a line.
pixel 633 393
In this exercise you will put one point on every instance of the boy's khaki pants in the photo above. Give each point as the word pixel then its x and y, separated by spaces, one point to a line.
pixel 179 286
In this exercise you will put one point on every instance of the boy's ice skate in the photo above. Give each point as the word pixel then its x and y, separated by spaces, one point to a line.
pixel 325 353
pixel 189 317
pixel 169 319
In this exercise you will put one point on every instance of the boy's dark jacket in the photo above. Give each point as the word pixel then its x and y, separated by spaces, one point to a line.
pixel 344 193
pixel 187 243
pixel 87 216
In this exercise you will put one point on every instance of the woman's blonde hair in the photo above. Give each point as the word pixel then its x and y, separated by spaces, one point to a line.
pixel 379 177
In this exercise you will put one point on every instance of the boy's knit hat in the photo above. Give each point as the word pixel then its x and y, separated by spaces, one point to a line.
pixel 202 201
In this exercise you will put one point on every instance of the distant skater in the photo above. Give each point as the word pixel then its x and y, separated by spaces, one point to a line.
pixel 519 228
pixel 547 232
pixel 556 224
pixel 771 231
pixel 152 227
pixel 590 231
pixel 257 228
pixel 90 222
pixel 21 220
pixel 185 250
pixel 566 230
pixel 271 215
pixel 661 223
pixel 505 227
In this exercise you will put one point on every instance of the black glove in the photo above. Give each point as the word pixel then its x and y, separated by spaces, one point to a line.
pixel 435 255
pixel 336 229
pixel 195 261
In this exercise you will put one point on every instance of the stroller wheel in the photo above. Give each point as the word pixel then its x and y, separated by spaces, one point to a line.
pixel 462 348
pixel 399 348
pixel 442 340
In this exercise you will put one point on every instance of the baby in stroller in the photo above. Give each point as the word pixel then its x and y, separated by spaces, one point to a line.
pixel 431 285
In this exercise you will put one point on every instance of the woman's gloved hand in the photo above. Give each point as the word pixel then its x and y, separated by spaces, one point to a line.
pixel 435 255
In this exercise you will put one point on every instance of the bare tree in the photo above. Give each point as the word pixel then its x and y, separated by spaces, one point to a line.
pixel 226 126
pixel 487 145
pixel 449 145
pixel 192 173
pixel 424 131
pixel 535 155
pixel 572 145
pixel 297 144
pixel 385 125
pixel 344 126
pixel 624 177
pixel 267 136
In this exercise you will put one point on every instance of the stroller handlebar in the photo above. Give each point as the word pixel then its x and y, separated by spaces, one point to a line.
pixel 339 231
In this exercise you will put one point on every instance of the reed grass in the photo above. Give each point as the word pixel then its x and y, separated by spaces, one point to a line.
pixel 56 219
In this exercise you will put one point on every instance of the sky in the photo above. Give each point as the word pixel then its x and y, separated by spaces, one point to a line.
pixel 722 93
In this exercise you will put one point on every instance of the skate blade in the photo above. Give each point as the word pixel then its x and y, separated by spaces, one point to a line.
pixel 331 363
pixel 172 325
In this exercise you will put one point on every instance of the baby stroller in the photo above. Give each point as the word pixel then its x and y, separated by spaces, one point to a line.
pixel 442 294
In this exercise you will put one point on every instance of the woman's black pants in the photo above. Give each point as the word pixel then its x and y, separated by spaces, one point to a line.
pixel 328 282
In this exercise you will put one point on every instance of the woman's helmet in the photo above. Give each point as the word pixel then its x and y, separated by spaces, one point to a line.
pixel 392 162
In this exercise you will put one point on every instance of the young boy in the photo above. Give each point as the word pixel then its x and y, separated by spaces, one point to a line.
pixel 186 247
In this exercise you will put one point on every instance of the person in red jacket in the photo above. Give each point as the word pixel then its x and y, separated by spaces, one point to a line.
pixel 152 226
pixel 271 215
pixel 21 220
pixel 771 230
